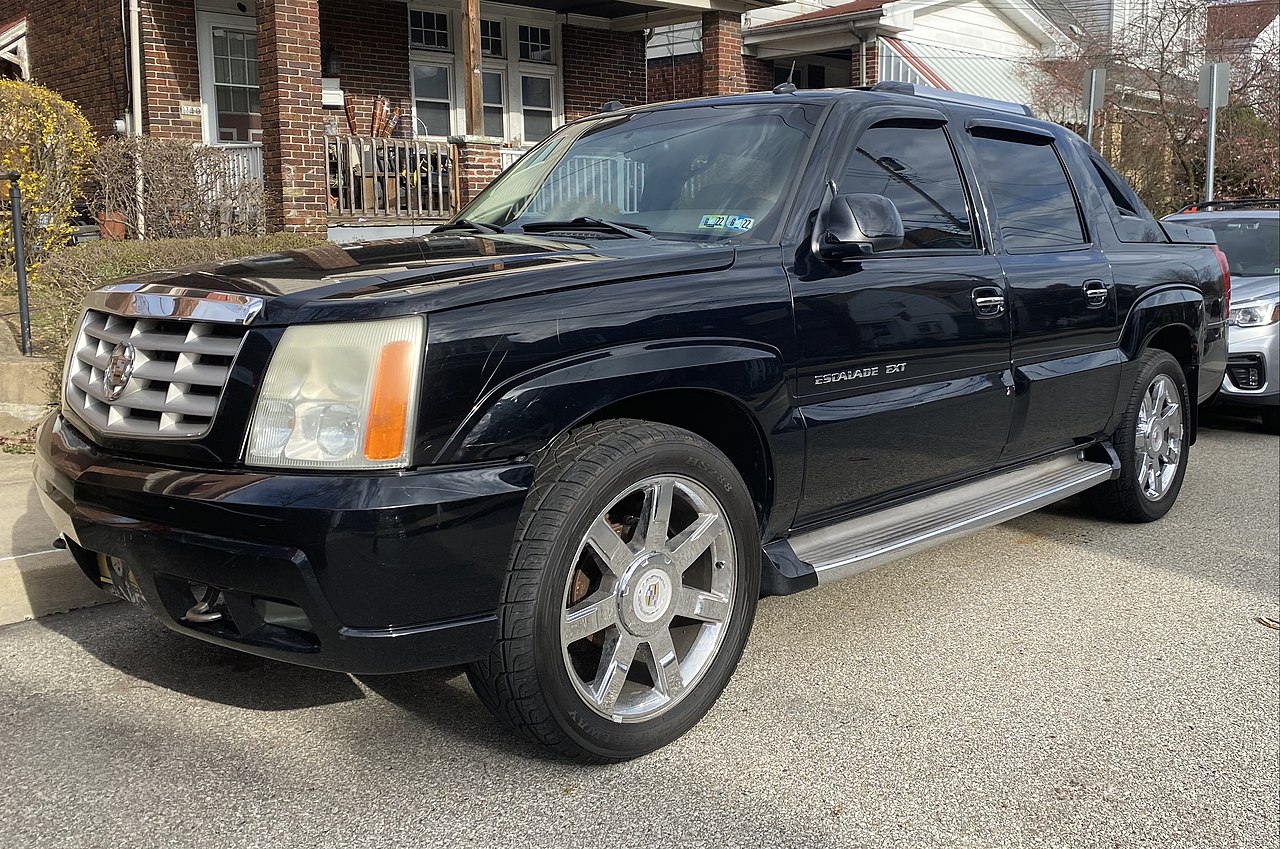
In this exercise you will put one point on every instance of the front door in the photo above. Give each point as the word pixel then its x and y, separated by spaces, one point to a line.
pixel 1062 296
pixel 903 378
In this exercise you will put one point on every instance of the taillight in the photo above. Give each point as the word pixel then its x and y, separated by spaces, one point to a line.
pixel 1226 280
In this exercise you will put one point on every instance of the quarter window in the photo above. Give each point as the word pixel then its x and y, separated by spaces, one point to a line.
pixel 915 168
pixel 429 30
pixel 1032 195
pixel 535 43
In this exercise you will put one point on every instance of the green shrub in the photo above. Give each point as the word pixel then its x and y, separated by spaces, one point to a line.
pixel 62 281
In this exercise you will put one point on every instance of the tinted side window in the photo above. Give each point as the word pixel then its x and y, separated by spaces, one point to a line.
pixel 1133 222
pixel 1031 193
pixel 916 168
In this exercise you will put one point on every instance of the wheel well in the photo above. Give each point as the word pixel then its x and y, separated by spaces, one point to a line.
pixel 1179 342
pixel 719 419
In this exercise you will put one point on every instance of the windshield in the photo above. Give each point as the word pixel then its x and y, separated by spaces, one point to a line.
pixel 1252 245
pixel 702 172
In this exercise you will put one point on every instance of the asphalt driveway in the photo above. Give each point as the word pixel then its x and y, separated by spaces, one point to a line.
pixel 1053 682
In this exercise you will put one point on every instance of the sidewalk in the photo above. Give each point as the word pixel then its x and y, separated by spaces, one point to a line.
pixel 35 578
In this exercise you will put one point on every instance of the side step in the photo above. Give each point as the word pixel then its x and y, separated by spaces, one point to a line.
pixel 860 544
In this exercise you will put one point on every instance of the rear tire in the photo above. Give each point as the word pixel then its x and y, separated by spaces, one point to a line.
pixel 629 596
pixel 1151 443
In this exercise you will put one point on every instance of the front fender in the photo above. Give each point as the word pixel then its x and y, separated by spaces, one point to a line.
pixel 526 412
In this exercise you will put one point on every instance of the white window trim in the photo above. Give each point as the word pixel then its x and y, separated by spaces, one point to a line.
pixel 205 24
pixel 511 65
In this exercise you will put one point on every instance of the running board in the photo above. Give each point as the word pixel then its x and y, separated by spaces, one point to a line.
pixel 872 540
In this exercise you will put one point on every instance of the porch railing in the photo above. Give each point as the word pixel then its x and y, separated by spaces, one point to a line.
pixel 379 180
pixel 244 161
pixel 510 155
pixel 612 180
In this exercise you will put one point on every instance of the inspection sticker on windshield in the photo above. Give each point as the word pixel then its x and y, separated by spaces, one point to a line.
pixel 726 222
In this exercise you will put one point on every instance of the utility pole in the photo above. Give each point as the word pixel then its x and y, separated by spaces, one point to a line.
pixel 1095 92
pixel 1214 91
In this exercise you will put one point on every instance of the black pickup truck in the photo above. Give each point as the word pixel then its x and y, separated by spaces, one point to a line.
pixel 677 358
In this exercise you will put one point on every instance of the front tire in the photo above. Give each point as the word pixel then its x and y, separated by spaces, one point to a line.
pixel 629 596
pixel 1151 443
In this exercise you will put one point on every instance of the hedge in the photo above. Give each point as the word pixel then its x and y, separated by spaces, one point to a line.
pixel 63 280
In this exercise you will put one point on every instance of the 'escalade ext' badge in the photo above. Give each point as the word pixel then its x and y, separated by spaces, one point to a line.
pixel 119 370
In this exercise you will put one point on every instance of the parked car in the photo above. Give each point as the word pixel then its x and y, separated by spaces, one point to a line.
pixel 677 357
pixel 1248 232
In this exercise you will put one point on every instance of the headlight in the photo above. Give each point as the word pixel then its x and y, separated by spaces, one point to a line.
pixel 1256 314
pixel 339 396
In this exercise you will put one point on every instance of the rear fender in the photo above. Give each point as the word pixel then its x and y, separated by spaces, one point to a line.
pixel 1175 314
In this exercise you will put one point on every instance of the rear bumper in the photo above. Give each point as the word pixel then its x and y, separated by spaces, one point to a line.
pixel 385 572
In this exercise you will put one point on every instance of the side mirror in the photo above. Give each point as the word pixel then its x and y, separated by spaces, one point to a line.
pixel 854 225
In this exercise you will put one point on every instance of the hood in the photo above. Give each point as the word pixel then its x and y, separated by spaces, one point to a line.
pixel 1245 289
pixel 332 282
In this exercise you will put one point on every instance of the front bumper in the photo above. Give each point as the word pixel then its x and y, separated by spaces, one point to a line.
pixel 1253 367
pixel 377 573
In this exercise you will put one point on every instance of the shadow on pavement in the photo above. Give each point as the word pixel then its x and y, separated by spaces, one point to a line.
pixel 135 643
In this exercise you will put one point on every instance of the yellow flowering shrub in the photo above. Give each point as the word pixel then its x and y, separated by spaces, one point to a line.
pixel 48 141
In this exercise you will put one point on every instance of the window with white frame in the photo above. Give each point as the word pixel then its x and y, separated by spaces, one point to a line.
pixel 520 82
pixel 429 30
pixel 432 99
pixel 493 94
pixel 227 49
pixel 535 43
pixel 491 38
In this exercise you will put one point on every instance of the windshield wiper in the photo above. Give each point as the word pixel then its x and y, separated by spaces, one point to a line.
pixel 464 224
pixel 636 232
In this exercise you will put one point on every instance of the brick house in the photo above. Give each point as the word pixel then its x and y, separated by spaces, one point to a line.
pixel 360 111
pixel 979 47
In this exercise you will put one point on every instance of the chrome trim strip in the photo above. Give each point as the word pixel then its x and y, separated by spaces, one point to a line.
pixel 157 300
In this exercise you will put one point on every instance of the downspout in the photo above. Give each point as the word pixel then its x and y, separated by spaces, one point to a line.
pixel 136 72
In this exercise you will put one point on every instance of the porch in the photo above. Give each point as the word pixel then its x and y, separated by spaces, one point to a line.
pixel 389 112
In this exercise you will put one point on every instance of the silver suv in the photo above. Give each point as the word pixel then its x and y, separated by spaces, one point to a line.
pixel 1249 234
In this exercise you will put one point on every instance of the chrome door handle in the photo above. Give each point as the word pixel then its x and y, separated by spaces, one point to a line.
pixel 988 302
pixel 1095 294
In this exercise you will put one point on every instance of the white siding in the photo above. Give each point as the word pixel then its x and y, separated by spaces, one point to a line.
pixel 970 25
pixel 1096 16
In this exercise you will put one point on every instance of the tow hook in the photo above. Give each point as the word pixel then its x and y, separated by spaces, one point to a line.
pixel 203 610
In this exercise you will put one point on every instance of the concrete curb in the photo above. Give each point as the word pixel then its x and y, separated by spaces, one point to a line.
pixel 44 582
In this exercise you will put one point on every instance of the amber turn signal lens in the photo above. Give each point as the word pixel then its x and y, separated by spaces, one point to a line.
pixel 389 406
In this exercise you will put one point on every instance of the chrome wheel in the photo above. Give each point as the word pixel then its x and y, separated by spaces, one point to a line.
pixel 1158 437
pixel 648 599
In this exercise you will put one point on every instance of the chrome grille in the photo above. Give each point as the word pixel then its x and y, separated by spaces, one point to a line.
pixel 179 369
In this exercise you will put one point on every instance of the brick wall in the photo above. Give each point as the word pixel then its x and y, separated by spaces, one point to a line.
pixel 173 67
pixel 478 164
pixel 675 78
pixel 873 65
pixel 599 66
pixel 77 50
pixel 371 38
pixel 758 73
pixel 292 120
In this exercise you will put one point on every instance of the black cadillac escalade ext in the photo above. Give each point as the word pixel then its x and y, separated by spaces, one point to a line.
pixel 676 358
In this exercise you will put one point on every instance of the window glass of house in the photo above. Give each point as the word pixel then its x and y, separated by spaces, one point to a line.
pixel 431 104
pixel 235 78
pixel 429 30
pixel 915 168
pixel 491 88
pixel 491 38
pixel 535 106
pixel 535 43
pixel 1032 195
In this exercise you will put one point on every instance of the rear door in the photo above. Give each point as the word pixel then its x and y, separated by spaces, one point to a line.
pixel 1062 297
pixel 903 379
